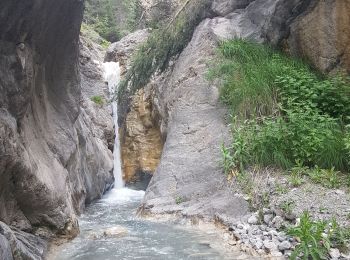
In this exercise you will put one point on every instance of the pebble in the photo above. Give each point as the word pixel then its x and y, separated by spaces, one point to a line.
pixel 281 238
pixel 334 253
pixel 267 211
pixel 240 226
pixel 285 245
pixel 253 220
pixel 270 246
pixel 288 253
pixel 339 192
pixel 290 216
pixel 261 251
pixel 273 233
pixel 277 222
pixel 262 227
pixel 257 244
pixel 276 253
pixel 268 218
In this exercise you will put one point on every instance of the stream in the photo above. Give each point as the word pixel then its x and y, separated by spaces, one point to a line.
pixel 110 229
pixel 138 238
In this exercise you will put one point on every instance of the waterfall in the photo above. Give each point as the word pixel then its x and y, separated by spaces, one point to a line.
pixel 112 76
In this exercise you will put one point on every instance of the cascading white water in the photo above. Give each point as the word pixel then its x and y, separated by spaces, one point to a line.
pixel 112 76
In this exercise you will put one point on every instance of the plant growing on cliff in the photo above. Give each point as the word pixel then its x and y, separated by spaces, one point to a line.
pixel 162 45
pixel 285 112
pixel 97 100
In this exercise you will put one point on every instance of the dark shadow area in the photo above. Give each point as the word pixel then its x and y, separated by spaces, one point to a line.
pixel 142 181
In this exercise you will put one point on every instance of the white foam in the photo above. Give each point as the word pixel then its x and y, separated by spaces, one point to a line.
pixel 122 196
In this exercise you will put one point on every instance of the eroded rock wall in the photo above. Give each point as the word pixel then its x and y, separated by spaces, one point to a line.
pixel 52 161
pixel 189 178
pixel 142 142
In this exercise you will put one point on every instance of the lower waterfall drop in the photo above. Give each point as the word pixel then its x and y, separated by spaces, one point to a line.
pixel 112 77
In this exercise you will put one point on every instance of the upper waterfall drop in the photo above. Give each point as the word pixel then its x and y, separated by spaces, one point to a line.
pixel 112 77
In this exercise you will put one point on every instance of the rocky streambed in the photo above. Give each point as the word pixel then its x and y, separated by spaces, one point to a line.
pixel 110 229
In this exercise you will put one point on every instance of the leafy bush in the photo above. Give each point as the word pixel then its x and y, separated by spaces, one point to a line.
pixel 304 89
pixel 347 145
pixel 161 46
pixel 339 236
pixel 304 136
pixel 313 244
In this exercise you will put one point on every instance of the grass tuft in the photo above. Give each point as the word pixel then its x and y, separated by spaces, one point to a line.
pixel 286 114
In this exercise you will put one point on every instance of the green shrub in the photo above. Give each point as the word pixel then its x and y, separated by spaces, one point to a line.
pixel 303 136
pixel 227 160
pixel 179 200
pixel 97 100
pixel 339 236
pixel 326 177
pixel 303 89
pixel 287 206
pixel 313 244
pixel 296 174
pixel 347 145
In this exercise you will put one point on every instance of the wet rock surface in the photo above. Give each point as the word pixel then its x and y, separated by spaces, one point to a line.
pixel 53 159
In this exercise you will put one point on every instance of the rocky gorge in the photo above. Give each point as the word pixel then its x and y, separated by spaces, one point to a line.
pixel 56 143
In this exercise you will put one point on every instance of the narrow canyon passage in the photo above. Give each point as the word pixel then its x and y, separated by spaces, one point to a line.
pixel 110 229
pixel 174 129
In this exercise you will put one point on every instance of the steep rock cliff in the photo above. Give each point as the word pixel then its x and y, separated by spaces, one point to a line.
pixel 189 178
pixel 51 160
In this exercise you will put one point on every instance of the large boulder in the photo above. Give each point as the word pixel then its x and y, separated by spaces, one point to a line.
pixel 322 35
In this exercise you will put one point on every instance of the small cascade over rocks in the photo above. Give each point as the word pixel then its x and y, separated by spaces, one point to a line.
pixel 112 77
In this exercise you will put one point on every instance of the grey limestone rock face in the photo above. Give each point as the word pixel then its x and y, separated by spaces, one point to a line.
pixel 15 244
pixel 53 158
pixel 192 119
pixel 224 7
